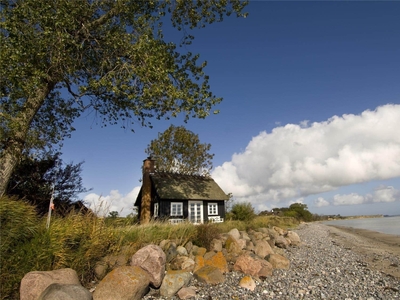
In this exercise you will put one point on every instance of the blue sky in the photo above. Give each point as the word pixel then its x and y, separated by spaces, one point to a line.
pixel 311 112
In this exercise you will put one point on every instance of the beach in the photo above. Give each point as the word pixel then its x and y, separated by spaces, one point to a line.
pixel 331 263
pixel 381 251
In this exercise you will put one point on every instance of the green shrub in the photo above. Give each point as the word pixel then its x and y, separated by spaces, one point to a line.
pixel 242 211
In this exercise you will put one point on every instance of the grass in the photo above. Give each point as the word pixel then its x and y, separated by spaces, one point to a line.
pixel 79 241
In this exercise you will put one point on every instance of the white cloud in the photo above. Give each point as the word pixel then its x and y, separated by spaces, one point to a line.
pixel 349 199
pixel 321 202
pixel 115 201
pixel 299 160
pixel 386 194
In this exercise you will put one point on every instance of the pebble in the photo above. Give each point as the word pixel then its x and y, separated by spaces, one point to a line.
pixel 320 269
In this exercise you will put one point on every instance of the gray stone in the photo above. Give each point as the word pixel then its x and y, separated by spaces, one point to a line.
pixel 173 281
pixel 234 233
pixel 57 291
pixel 187 293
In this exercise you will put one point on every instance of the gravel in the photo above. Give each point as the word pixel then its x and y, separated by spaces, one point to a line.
pixel 320 269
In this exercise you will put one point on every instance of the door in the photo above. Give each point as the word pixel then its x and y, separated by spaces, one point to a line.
pixel 196 212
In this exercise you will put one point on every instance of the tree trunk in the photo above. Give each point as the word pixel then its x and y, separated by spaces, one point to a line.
pixel 14 144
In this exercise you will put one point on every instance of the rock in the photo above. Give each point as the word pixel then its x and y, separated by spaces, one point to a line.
pixel 182 263
pixel 216 245
pixel 151 259
pixel 250 246
pixel 262 249
pixel 199 263
pixel 281 242
pixel 278 261
pixel 57 291
pixel 244 236
pixel 123 283
pixel 34 283
pixel 187 293
pixel 198 251
pixel 218 260
pixel 293 237
pixel 248 283
pixel 100 270
pixel 279 230
pixel 171 252
pixel 173 281
pixel 253 266
pixel 234 233
pixel 209 275
pixel 182 251
pixel 232 245
pixel 189 246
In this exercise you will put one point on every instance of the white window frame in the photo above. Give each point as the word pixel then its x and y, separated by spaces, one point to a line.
pixel 179 209
pixel 212 209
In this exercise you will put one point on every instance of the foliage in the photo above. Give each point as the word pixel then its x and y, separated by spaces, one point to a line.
pixel 61 58
pixel 79 241
pixel 179 150
pixel 34 178
pixel 296 210
pixel 242 211
pixel 205 234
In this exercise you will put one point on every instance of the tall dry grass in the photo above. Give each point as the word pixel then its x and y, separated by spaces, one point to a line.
pixel 79 241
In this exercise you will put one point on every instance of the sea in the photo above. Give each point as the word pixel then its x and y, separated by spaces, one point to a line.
pixel 388 225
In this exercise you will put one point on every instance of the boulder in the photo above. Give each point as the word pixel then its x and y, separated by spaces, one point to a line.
pixel 234 233
pixel 182 251
pixel 173 281
pixel 278 261
pixel 253 266
pixel 151 259
pixel 182 263
pixel 294 238
pixel 218 260
pixel 34 283
pixel 262 249
pixel 282 242
pixel 187 293
pixel 171 252
pixel 248 283
pixel 123 283
pixel 216 245
pixel 57 291
pixel 209 275
pixel 279 230
pixel 232 245
pixel 199 251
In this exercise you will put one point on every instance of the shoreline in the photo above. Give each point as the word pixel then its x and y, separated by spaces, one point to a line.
pixel 380 251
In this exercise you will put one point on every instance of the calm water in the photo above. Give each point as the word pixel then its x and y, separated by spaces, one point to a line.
pixel 389 225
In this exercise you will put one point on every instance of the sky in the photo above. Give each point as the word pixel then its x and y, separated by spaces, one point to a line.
pixel 311 112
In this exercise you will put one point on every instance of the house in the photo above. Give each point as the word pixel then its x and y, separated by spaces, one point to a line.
pixel 179 197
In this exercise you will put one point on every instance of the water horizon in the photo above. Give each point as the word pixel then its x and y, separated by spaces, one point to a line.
pixel 388 224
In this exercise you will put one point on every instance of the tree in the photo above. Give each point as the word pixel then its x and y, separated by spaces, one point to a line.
pixel 34 178
pixel 61 58
pixel 178 149
pixel 242 211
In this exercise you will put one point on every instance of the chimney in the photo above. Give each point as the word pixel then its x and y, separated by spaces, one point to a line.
pixel 148 168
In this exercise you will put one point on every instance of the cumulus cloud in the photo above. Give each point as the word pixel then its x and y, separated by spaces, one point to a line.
pixel 295 161
pixel 115 201
pixel 321 202
pixel 382 194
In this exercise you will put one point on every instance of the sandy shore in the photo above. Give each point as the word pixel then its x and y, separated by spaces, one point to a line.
pixel 381 251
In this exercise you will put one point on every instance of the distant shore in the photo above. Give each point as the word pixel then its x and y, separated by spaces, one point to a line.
pixel 381 251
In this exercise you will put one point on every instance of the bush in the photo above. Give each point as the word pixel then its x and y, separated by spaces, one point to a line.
pixel 205 234
pixel 242 211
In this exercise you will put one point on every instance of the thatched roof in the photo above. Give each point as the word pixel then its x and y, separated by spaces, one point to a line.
pixel 185 187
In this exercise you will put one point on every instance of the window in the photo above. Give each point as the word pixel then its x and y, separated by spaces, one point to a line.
pixel 212 209
pixel 176 209
pixel 155 210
